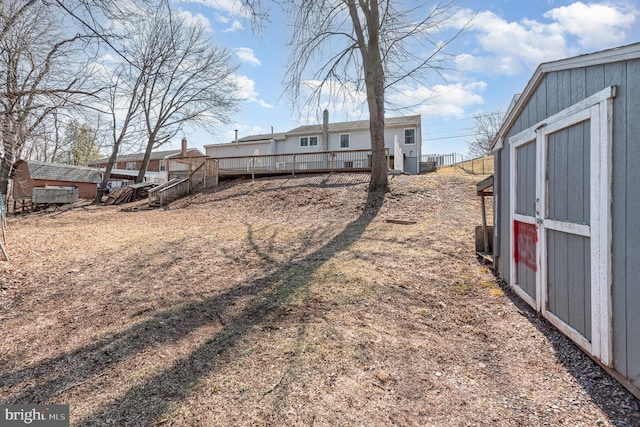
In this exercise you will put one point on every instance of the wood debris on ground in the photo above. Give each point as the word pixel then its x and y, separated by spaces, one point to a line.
pixel 128 193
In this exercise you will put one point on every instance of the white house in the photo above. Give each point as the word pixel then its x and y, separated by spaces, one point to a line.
pixel 330 137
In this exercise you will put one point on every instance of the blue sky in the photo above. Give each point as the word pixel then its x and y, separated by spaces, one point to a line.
pixel 493 60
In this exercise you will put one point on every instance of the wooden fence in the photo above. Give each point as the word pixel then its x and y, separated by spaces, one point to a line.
pixel 479 165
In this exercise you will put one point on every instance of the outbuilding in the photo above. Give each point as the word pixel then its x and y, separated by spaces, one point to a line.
pixel 567 209
pixel 28 174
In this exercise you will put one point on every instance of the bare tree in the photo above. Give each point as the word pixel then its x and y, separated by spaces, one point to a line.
pixel 186 79
pixel 45 141
pixel 350 47
pixel 40 75
pixel 39 41
pixel 123 99
pixel 486 127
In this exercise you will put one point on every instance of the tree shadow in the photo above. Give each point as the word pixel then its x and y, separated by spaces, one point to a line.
pixel 145 404
pixel 173 385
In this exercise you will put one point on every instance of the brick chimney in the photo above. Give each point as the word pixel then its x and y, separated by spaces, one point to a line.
pixel 183 153
pixel 325 130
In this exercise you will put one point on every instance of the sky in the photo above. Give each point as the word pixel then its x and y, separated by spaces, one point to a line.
pixel 491 61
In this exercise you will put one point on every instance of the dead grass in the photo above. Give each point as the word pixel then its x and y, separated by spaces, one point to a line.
pixel 480 166
pixel 284 302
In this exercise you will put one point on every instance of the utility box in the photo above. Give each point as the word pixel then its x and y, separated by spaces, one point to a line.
pixel 57 195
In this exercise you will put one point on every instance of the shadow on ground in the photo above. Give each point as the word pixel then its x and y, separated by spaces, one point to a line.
pixel 147 403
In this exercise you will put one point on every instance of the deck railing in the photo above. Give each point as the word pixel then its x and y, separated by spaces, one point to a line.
pixel 168 192
pixel 202 173
pixel 325 161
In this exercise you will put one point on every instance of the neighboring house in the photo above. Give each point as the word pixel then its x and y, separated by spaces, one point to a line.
pixel 127 166
pixel 28 174
pixel 567 209
pixel 330 137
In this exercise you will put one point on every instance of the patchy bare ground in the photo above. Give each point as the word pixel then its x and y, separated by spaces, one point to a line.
pixel 286 301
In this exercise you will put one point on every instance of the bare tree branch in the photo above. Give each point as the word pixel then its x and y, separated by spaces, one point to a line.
pixel 358 50
pixel 485 129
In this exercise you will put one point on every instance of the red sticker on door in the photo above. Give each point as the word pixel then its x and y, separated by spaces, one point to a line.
pixel 525 237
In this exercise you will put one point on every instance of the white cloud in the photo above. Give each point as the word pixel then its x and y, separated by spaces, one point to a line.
pixel 229 12
pixel 232 7
pixel 508 48
pixel 243 130
pixel 192 20
pixel 109 58
pixel 247 55
pixel 595 25
pixel 247 92
pixel 235 26
pixel 343 100
pixel 440 100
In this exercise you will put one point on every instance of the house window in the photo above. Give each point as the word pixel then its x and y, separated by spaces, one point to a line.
pixel 344 140
pixel 131 166
pixel 308 141
pixel 163 165
pixel 409 136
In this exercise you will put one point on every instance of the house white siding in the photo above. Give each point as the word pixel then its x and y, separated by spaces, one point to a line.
pixel 237 150
pixel 359 139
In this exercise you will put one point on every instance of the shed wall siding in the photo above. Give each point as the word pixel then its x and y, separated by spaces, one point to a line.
pixel 557 91
pixel 568 174
pixel 526 179
pixel 628 279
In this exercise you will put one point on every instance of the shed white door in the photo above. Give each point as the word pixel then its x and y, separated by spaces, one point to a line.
pixel 560 217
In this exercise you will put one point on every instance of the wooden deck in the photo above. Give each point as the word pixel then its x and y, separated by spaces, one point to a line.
pixel 191 173
pixel 291 164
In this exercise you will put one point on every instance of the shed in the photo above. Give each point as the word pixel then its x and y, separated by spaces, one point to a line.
pixel 567 210
pixel 29 174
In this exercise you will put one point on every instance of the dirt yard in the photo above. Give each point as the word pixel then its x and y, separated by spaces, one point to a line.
pixel 285 302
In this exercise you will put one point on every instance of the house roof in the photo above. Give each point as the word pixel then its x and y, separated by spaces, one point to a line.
pixel 252 139
pixel 190 152
pixel 355 125
pixel 134 157
pixel 317 129
pixel 62 172
pixel 608 56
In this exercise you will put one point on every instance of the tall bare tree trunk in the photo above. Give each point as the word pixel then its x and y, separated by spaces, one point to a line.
pixel 374 80
pixel 145 164
pixel 107 173
pixel 146 158
pixel 5 170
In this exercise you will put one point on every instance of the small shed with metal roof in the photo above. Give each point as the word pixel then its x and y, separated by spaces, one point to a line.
pixel 29 174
